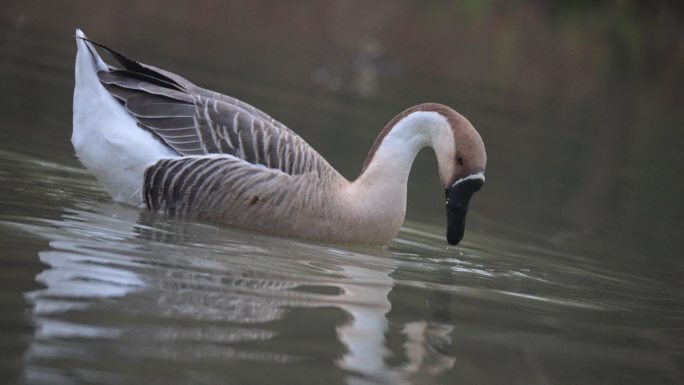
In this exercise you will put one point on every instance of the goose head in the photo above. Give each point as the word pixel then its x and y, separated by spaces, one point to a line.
pixel 462 159
pixel 460 152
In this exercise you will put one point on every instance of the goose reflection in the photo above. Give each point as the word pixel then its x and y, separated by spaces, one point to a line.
pixel 190 292
pixel 364 334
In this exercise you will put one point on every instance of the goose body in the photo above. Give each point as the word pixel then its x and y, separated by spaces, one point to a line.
pixel 154 139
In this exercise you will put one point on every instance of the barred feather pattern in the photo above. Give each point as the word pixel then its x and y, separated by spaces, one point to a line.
pixel 237 165
pixel 215 157
pixel 196 121
pixel 227 189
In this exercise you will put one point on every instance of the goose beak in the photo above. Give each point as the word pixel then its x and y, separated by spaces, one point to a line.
pixel 457 199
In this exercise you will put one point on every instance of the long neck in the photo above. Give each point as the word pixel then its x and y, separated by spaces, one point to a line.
pixel 390 160
pixel 380 190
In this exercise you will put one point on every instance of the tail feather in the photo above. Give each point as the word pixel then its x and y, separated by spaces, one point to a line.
pixel 106 137
pixel 98 62
pixel 134 68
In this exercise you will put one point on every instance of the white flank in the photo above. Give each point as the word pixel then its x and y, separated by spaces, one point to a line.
pixel 106 138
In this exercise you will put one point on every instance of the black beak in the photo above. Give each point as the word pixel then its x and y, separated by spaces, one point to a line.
pixel 457 199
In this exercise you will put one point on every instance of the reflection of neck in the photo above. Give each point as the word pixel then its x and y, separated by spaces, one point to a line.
pixel 364 335
pixel 367 303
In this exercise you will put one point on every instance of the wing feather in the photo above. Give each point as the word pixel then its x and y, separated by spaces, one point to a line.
pixel 195 121
pixel 212 186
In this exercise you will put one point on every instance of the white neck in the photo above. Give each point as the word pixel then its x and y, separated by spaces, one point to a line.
pixel 381 189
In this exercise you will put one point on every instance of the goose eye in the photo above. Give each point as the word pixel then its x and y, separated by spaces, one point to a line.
pixel 459 160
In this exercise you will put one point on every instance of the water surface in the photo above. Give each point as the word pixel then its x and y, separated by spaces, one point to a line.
pixel 570 270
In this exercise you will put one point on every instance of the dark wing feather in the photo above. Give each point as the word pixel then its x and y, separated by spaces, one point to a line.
pixel 211 186
pixel 195 121
pixel 138 69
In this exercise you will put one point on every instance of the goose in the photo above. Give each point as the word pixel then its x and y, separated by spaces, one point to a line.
pixel 154 139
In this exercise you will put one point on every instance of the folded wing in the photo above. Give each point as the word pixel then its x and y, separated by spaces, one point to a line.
pixel 227 189
pixel 195 121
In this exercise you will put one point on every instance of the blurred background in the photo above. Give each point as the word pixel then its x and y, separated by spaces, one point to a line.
pixel 580 103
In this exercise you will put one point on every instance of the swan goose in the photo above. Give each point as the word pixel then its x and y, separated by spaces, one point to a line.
pixel 154 139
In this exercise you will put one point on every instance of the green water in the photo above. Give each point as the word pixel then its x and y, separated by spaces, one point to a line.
pixel 570 271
